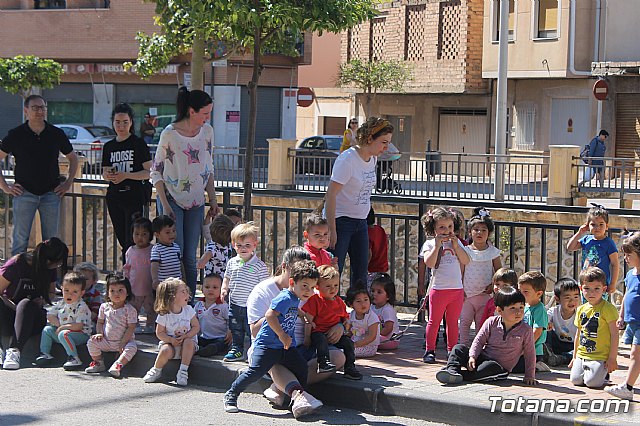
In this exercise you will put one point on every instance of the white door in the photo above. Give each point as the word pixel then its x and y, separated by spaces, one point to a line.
pixel 570 122
pixel 460 132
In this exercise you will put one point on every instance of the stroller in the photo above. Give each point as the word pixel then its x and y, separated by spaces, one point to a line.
pixel 384 171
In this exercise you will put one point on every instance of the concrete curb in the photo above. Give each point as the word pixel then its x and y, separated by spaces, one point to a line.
pixel 369 395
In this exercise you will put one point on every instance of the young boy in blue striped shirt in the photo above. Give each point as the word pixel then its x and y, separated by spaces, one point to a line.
pixel 244 272
pixel 166 258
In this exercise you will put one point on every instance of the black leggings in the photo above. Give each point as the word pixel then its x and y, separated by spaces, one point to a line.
pixel 121 208
pixel 27 320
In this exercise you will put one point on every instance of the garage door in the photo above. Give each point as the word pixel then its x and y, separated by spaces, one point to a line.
pixel 627 125
pixel 463 131
pixel 269 115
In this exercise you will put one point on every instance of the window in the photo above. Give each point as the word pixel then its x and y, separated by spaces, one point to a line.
pixel 495 17
pixel 546 18
pixel 70 112
pixel 525 129
pixel 70 132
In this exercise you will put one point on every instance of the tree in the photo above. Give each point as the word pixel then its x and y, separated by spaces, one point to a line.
pixel 19 75
pixel 374 76
pixel 260 26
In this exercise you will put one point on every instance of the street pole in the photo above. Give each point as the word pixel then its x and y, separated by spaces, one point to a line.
pixel 501 101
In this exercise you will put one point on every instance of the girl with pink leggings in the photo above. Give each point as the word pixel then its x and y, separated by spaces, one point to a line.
pixel 446 257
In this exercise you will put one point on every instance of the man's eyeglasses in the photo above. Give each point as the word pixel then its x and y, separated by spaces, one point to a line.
pixel 38 108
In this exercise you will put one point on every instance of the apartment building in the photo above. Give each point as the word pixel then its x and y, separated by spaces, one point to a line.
pixel 448 103
pixel 552 45
pixel 92 38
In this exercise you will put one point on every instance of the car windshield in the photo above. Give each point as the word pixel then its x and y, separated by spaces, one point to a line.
pixel 334 144
pixel 98 131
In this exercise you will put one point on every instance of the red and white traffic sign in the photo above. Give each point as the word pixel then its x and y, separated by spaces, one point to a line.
pixel 601 90
pixel 305 97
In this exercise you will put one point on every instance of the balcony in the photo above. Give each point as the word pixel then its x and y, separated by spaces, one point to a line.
pixel 53 4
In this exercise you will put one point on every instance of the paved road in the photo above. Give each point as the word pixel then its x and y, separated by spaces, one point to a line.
pixel 51 396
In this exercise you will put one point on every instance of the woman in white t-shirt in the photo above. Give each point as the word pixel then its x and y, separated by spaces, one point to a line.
pixel 349 193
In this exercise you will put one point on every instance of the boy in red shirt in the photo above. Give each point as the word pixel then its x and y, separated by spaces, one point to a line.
pixel 316 232
pixel 325 310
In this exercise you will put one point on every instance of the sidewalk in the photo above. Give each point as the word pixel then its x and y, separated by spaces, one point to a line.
pixel 399 383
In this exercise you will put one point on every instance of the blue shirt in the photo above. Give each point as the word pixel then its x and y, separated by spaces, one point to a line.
pixel 536 317
pixel 286 304
pixel 632 298
pixel 596 253
pixel 597 148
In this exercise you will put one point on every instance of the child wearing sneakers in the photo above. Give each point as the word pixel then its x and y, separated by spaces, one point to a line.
pixel 117 321
pixel 325 310
pixel 630 314
pixel 92 296
pixel 497 347
pixel 561 330
pixel 213 315
pixel 596 343
pixel 244 271
pixel 532 285
pixel 275 343
pixel 70 323
pixel 177 330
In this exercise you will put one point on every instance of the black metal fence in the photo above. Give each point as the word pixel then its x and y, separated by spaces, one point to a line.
pixel 525 246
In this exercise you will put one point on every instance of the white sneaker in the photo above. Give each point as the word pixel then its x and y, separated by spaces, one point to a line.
pixel 620 391
pixel 152 375
pixel 115 369
pixel 542 367
pixel 11 359
pixel 273 395
pixel 1 357
pixel 72 363
pixel 302 404
pixel 182 377
pixel 96 367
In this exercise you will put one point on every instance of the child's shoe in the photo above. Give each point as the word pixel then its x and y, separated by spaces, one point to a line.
pixel 233 355
pixel 152 375
pixel 96 367
pixel 429 357
pixel 541 367
pixel 621 391
pixel 325 366
pixel 230 402
pixel 351 372
pixel 73 363
pixel 115 369
pixel 43 359
pixel 11 359
pixel 449 376
pixel 182 377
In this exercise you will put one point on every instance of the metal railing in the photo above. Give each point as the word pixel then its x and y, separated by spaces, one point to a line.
pixel 525 246
pixel 435 174
pixel 608 174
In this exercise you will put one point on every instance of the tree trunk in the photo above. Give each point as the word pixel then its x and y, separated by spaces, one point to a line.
pixel 368 99
pixel 197 63
pixel 247 213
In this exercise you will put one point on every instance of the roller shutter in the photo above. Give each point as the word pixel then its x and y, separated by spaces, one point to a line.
pixel 627 125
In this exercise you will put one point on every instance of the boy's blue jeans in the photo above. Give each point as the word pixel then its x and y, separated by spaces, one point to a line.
pixel 558 346
pixel 68 339
pixel 262 359
pixel 238 325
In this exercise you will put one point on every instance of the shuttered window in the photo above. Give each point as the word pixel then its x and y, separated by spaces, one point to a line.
pixel 546 18
pixel 496 20
pixel 526 125
pixel 627 139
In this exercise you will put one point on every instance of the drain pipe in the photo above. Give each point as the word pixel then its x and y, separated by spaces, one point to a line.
pixel 572 38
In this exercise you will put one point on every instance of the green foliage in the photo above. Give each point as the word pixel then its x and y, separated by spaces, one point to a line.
pixel 374 76
pixel 19 75
pixel 235 23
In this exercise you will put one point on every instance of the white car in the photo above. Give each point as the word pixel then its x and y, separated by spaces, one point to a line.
pixel 87 140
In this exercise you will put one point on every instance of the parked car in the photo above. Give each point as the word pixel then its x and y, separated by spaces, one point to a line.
pixel 87 140
pixel 316 154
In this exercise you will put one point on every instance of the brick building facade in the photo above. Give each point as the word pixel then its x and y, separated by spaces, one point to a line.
pixel 447 102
